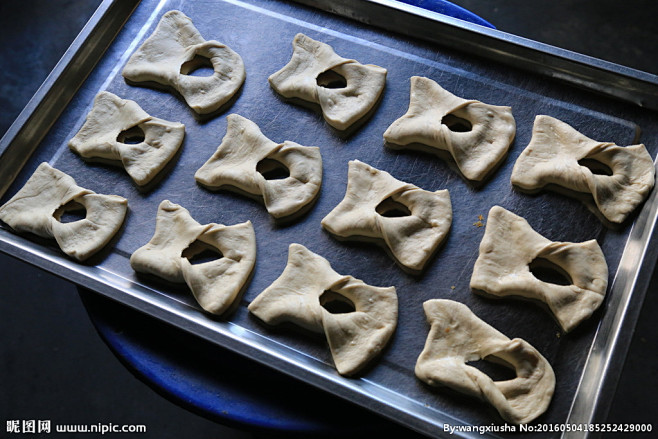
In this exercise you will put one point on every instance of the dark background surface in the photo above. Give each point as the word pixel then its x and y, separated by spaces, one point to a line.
pixel 53 365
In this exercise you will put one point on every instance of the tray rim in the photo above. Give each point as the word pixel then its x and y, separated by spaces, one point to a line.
pixel 594 74
pixel 599 371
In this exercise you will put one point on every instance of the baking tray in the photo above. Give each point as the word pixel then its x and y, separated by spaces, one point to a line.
pixel 584 360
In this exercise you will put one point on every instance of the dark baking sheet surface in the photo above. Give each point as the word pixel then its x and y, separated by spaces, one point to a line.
pixel 262 32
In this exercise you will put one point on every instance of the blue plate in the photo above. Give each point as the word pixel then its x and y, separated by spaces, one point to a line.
pixel 449 9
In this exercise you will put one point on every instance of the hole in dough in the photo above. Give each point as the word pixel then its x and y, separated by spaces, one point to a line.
pixel 597 167
pixel 131 136
pixel 392 209
pixel 494 368
pixel 546 271
pixel 199 253
pixel 456 124
pixel 198 66
pixel 331 79
pixel 336 303
pixel 272 169
pixel 70 212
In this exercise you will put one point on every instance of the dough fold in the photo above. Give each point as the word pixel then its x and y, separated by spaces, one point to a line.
pixel 341 106
pixel 110 119
pixel 355 337
pixel 217 283
pixel 457 336
pixel 235 164
pixel 173 50
pixel 555 154
pixel 508 248
pixel 440 120
pixel 371 195
pixel 38 206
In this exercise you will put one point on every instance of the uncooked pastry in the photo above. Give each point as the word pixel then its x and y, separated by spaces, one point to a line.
pixel 508 248
pixel 341 106
pixel 173 50
pixel 553 156
pixel 356 337
pixel 412 238
pixel 235 165
pixel 38 206
pixel 216 284
pixel 457 336
pixel 109 119
pixel 431 119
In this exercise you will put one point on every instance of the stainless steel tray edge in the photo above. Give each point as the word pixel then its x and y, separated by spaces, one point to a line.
pixel 614 328
pixel 610 346
pixel 594 74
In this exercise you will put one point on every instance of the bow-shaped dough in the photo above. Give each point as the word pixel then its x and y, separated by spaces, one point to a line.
pixel 458 336
pixel 341 106
pixel 553 156
pixel 477 149
pixel 412 238
pixel 100 137
pixel 508 248
pixel 167 54
pixel 235 165
pixel 39 204
pixel 356 337
pixel 216 284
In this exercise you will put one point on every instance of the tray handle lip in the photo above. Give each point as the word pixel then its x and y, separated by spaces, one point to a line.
pixel 609 348
pixel 604 77
pixel 47 104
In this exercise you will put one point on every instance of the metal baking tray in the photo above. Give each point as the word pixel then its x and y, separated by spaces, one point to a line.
pixel 586 361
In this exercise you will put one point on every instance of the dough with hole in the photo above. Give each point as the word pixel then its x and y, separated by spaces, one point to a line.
pixel 554 156
pixel 477 135
pixel 216 284
pixel 341 106
pixel 106 131
pixel 235 165
pixel 368 211
pixel 37 208
pixel 356 337
pixel 508 248
pixel 167 55
pixel 458 336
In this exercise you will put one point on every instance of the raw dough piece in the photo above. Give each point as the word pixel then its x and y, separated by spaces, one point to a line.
pixel 37 208
pixel 216 284
pixel 101 137
pixel 508 248
pixel 235 164
pixel 553 156
pixel 356 337
pixel 302 78
pixel 173 50
pixel 433 111
pixel 458 336
pixel 412 238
